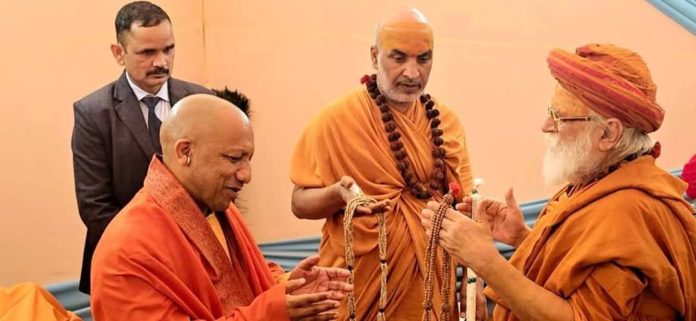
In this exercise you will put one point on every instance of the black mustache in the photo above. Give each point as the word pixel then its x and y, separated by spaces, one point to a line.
pixel 158 71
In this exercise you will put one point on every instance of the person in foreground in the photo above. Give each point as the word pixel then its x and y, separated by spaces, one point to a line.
pixel 618 241
pixel 401 147
pixel 180 249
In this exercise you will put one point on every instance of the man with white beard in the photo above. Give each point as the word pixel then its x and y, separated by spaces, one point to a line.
pixel 617 241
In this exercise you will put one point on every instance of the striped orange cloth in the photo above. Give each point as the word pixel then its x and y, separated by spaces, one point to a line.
pixel 612 81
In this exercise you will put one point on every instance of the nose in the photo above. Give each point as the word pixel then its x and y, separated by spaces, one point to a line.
pixel 243 173
pixel 411 69
pixel 161 60
pixel 549 126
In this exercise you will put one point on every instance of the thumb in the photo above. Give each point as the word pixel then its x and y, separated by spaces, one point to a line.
pixel 347 181
pixel 308 263
pixel 510 199
pixel 292 285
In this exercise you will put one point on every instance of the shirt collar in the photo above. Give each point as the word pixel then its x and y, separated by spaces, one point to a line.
pixel 140 93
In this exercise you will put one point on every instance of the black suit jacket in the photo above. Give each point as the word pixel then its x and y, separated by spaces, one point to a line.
pixel 112 149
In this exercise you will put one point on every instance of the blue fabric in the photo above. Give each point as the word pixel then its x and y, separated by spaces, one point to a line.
pixel 682 11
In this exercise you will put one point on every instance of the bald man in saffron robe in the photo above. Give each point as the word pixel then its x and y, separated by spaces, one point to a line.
pixel 401 148
pixel 180 249
pixel 617 241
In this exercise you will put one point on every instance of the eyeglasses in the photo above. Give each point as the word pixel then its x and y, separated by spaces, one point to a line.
pixel 563 119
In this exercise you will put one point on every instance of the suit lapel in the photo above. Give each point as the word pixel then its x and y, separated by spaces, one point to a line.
pixel 128 110
pixel 176 91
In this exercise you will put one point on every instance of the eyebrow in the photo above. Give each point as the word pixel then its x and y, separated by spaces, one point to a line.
pixel 397 52
pixel 145 50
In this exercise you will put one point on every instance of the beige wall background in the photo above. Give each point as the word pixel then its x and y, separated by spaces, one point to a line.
pixel 291 59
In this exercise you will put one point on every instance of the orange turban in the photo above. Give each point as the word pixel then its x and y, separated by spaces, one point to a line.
pixel 614 82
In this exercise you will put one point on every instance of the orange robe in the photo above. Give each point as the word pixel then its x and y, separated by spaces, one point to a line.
pixel 622 249
pixel 159 259
pixel 29 301
pixel 348 138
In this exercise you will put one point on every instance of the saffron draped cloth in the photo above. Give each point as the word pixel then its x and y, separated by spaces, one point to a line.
pixel 348 138
pixel 29 301
pixel 622 249
pixel 159 259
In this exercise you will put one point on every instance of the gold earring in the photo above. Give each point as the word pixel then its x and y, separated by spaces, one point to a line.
pixel 188 160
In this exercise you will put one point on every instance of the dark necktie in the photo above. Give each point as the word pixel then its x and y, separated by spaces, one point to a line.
pixel 153 123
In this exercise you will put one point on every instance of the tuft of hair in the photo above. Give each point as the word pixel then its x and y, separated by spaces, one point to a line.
pixel 235 97
pixel 146 13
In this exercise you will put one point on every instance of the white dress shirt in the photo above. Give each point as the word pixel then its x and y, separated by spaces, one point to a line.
pixel 163 106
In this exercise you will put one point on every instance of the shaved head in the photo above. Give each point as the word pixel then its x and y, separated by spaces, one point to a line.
pixel 207 143
pixel 405 27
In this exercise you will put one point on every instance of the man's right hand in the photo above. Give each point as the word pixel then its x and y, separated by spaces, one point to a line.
pixel 505 219
pixel 343 188
pixel 318 306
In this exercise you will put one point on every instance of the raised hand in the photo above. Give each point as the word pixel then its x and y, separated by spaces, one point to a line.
pixel 505 219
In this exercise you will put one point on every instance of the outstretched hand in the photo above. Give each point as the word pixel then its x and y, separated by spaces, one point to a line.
pixel 320 279
pixel 505 219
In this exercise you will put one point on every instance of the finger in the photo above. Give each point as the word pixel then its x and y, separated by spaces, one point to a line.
pixel 510 199
pixel 313 309
pixel 452 216
pixel 427 214
pixel 293 285
pixel 433 205
pixel 427 224
pixel 480 301
pixel 363 210
pixel 380 207
pixel 308 263
pixel 340 286
pixel 336 274
pixel 347 181
pixel 330 315
pixel 299 300
pixel 464 208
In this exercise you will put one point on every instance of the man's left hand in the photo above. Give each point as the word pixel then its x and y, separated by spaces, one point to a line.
pixel 320 279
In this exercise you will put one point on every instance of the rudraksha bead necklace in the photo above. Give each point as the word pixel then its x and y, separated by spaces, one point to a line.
pixel 413 184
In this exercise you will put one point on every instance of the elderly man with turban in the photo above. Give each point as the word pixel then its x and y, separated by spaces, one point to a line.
pixel 617 242
pixel 401 147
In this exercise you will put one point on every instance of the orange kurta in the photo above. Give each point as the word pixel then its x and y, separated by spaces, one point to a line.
pixel 160 260
pixel 348 138
pixel 29 301
pixel 622 249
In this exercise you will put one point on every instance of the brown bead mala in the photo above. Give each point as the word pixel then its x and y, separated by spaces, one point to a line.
pixel 361 200
pixel 430 254
pixel 413 184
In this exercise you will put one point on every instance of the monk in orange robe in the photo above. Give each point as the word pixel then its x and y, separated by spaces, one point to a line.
pixel 180 249
pixel 401 147
pixel 618 241
pixel 29 301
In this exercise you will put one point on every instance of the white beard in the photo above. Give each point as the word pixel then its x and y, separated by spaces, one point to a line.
pixel 570 162
pixel 389 91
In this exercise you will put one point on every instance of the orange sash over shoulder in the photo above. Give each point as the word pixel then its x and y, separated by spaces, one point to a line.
pixel 159 259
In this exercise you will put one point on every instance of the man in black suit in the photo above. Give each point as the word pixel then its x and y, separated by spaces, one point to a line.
pixel 116 129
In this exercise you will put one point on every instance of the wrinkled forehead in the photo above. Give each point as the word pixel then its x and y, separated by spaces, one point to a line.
pixel 413 38
pixel 567 104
